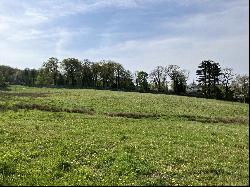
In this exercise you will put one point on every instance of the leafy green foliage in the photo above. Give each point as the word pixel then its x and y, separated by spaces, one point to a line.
pixel 141 81
pixel 2 82
pixel 159 79
pixel 107 74
pixel 178 77
pixel 240 87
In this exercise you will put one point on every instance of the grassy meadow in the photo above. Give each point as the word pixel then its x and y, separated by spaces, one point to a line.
pixel 52 136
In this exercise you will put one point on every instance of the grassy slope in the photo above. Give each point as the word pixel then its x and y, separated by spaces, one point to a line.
pixel 58 148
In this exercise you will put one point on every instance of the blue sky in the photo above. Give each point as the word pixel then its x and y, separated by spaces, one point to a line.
pixel 140 34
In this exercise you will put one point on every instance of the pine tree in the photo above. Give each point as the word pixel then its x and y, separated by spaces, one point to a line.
pixel 208 77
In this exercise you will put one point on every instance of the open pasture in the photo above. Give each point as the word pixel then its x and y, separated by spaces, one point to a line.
pixel 54 136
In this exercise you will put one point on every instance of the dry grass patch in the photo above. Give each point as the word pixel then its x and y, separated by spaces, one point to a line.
pixel 135 115
pixel 205 119
pixel 24 94
pixel 81 110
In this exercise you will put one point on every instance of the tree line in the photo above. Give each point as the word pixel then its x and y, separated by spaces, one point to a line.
pixel 212 80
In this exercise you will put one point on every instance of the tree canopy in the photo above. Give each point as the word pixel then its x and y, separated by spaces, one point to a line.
pixel 213 82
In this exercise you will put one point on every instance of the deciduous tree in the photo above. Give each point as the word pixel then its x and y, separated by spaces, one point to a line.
pixel 142 81
pixel 71 68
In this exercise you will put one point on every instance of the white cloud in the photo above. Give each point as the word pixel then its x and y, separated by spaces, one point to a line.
pixel 231 21
pixel 185 52
pixel 222 35
pixel 64 37
pixel 31 18
pixel 34 17
pixel 60 8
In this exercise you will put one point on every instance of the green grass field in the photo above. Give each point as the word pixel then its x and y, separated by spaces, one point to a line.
pixel 93 137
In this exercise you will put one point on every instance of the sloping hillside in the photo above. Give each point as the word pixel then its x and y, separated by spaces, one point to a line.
pixel 93 137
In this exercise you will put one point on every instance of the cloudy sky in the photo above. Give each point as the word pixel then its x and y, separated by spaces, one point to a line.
pixel 140 34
